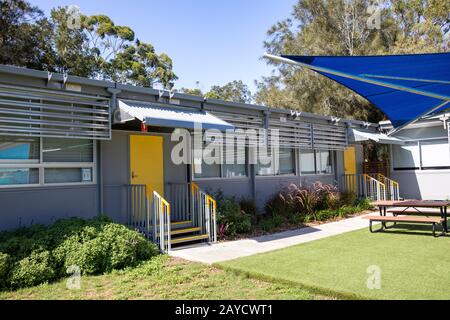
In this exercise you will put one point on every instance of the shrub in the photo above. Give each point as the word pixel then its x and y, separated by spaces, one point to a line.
pixel 348 198
pixel 35 255
pixel 271 222
pixel 231 219
pixel 327 195
pixel 280 205
pixel 33 270
pixel 249 207
pixel 5 268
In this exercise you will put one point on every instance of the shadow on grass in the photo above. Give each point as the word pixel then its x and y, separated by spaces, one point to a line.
pixel 413 229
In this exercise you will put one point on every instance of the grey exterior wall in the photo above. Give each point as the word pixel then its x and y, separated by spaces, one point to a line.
pixel 22 207
pixel 423 184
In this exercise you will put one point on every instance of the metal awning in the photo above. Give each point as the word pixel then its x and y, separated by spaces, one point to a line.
pixel 359 136
pixel 154 114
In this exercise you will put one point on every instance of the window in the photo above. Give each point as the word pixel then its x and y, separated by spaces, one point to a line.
pixel 307 164
pixel 323 162
pixel 422 155
pixel 22 149
pixel 234 162
pixel 19 176
pixel 435 154
pixel 40 161
pixel 231 166
pixel 68 150
pixel 284 164
pixel 406 157
pixel 316 162
pixel 287 162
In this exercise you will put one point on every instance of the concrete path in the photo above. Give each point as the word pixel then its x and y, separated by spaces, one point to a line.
pixel 241 248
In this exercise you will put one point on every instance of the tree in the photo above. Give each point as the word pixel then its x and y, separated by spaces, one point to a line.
pixel 235 91
pixel 25 36
pixel 339 27
pixel 94 47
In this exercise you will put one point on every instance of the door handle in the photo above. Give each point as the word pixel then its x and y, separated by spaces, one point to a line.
pixel 133 175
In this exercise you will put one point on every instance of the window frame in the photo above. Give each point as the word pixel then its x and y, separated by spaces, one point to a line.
pixel 316 172
pixel 41 166
pixel 421 168
pixel 275 174
pixel 221 166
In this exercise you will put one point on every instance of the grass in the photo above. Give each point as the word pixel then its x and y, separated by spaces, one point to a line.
pixel 166 278
pixel 413 264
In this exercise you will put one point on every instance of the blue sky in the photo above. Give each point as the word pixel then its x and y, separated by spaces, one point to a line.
pixel 211 41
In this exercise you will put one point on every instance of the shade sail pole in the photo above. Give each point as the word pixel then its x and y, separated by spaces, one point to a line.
pixel 354 77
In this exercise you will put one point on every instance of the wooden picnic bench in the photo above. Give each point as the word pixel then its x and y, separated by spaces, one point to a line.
pixel 412 211
pixel 408 219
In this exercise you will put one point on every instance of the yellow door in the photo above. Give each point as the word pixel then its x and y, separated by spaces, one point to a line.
pixel 350 169
pixel 350 160
pixel 147 162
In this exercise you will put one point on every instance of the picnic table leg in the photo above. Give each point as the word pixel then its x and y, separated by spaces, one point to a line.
pixel 383 213
pixel 444 215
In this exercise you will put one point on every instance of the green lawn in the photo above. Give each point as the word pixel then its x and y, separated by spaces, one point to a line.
pixel 413 265
pixel 166 278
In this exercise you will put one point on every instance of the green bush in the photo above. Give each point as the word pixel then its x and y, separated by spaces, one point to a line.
pixel 30 256
pixel 271 222
pixel 35 269
pixel 5 269
pixel 249 207
pixel 231 219
pixel 348 198
pixel 280 205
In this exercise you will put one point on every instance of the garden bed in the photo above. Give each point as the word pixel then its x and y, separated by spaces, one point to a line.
pixel 293 208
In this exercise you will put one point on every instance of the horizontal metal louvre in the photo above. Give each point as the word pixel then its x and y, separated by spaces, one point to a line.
pixel 45 113
pixel 243 122
pixel 292 133
pixel 330 137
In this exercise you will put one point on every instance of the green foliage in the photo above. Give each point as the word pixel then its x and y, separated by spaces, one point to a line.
pixel 35 269
pixel 30 256
pixel 249 207
pixel 96 48
pixel 25 35
pixel 235 91
pixel 5 269
pixel 271 222
pixel 339 27
pixel 231 219
pixel 348 198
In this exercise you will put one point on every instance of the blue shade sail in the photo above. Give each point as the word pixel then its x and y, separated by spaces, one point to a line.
pixel 404 87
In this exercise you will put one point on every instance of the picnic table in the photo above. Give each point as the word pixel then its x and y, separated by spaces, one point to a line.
pixel 412 211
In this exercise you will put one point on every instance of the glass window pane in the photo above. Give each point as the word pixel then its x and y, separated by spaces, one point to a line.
pixel 307 162
pixel 323 162
pixel 68 150
pixel 18 148
pixel 208 171
pixel 17 176
pixel 435 153
pixel 67 175
pixel 234 163
pixel 406 156
pixel 287 161
pixel 263 169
